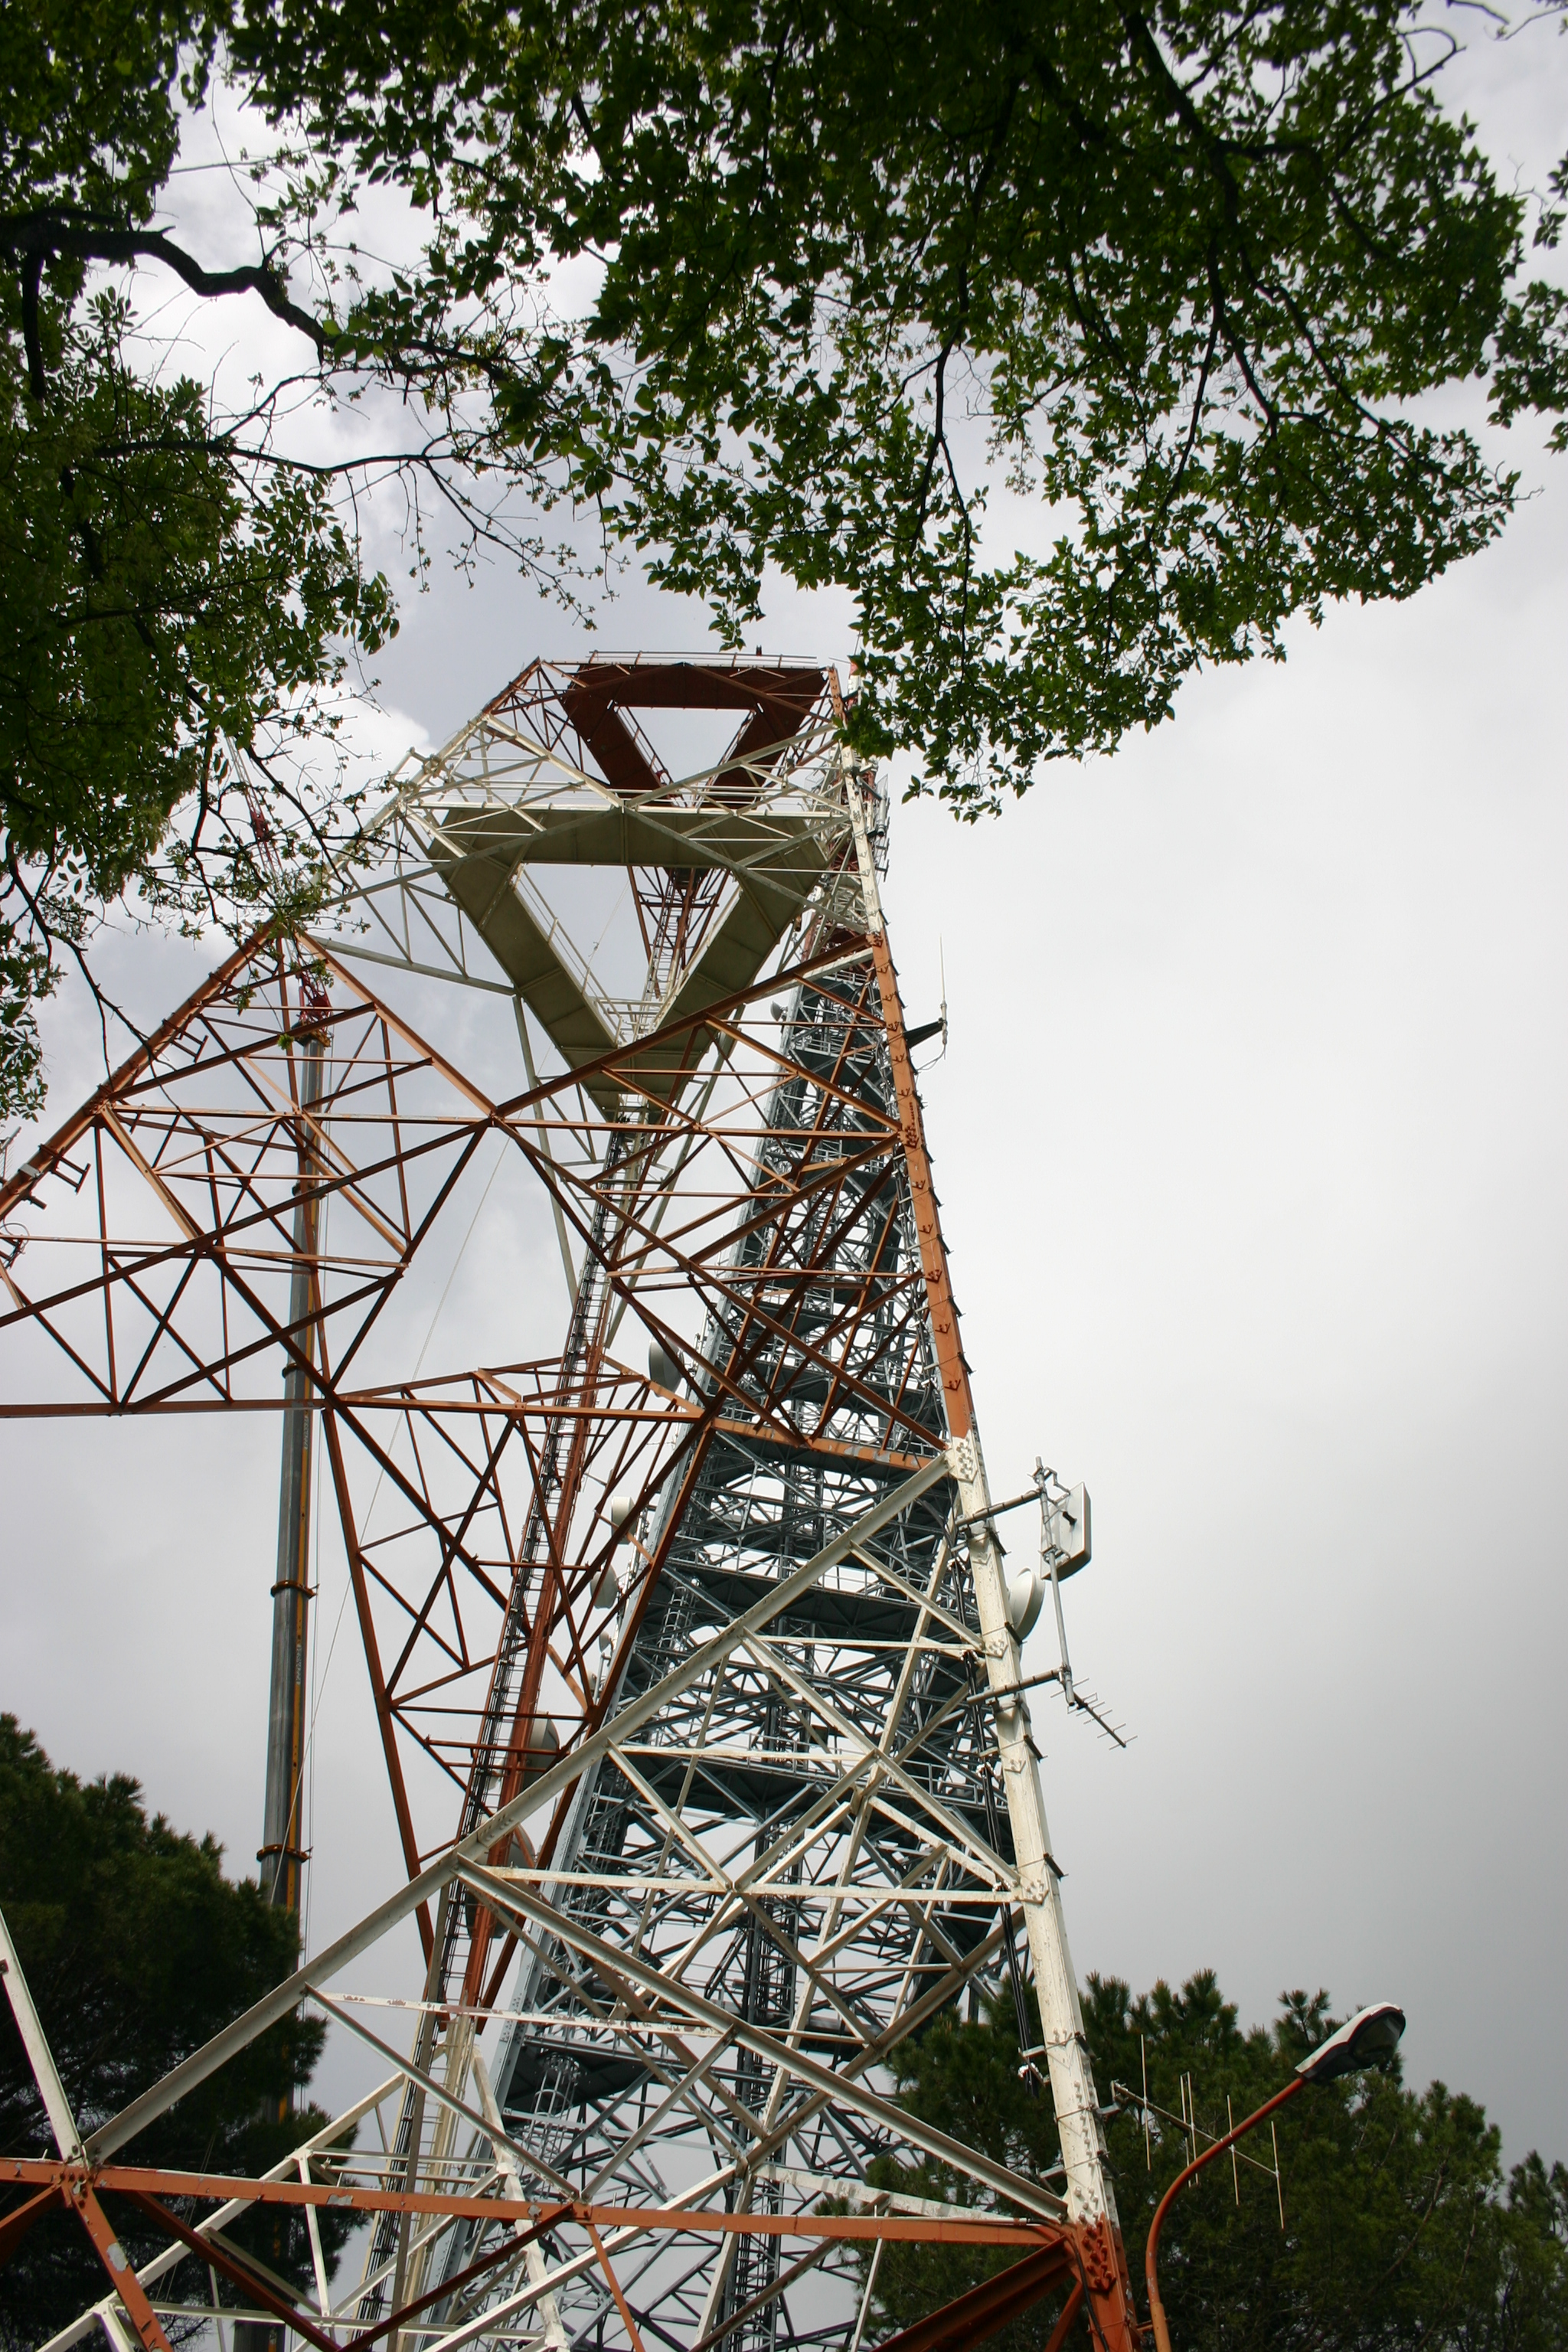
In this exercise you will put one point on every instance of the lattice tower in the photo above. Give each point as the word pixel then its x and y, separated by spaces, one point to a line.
pixel 689 1643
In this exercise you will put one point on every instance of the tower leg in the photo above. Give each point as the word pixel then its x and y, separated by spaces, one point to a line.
pixel 1090 2199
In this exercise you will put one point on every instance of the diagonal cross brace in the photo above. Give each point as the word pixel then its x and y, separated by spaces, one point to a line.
pixel 545 1789
pixel 68 2139
pixel 614 1962
pixel 40 2057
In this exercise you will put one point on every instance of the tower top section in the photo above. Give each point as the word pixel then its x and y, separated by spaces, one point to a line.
pixel 633 836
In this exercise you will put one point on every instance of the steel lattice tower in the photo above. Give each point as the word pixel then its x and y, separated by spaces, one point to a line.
pixel 690 1645
pixel 737 1760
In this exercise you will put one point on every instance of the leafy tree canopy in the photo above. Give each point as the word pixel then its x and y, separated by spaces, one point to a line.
pixel 1399 2229
pixel 1078 343
pixel 136 1949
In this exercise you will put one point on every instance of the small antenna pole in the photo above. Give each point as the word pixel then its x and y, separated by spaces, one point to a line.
pixel 1235 2168
pixel 1049 1562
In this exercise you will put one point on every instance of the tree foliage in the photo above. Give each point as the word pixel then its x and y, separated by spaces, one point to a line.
pixel 136 1949
pixel 1173 273
pixel 164 599
pixel 1079 345
pixel 1400 2229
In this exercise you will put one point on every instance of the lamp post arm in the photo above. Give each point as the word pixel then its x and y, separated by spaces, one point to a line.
pixel 1151 2256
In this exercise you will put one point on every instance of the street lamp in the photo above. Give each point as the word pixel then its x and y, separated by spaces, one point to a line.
pixel 1364 2039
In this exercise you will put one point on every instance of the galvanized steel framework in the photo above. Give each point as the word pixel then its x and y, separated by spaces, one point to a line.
pixel 688 1645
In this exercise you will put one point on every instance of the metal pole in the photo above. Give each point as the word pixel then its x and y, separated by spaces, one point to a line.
pixel 281 1857
pixel 1151 2252
pixel 282 1852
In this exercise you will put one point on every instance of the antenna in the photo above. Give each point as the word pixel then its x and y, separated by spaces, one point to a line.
pixel 1064 1547
pixel 937 1028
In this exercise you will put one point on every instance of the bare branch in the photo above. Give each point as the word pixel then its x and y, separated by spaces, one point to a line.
pixel 35 237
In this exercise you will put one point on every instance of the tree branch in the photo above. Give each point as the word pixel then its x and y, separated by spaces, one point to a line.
pixel 53 938
pixel 34 238
pixel 30 335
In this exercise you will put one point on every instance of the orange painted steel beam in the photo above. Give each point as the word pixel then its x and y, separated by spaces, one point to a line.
pixel 14 2225
pixel 123 2277
pixel 237 2271
pixel 989 2308
pixel 928 1223
pixel 241 2274
pixel 16 1188
pixel 386 1721
pixel 918 2229
pixel 621 2304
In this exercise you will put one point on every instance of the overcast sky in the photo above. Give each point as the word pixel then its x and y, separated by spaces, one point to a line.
pixel 1252 1141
